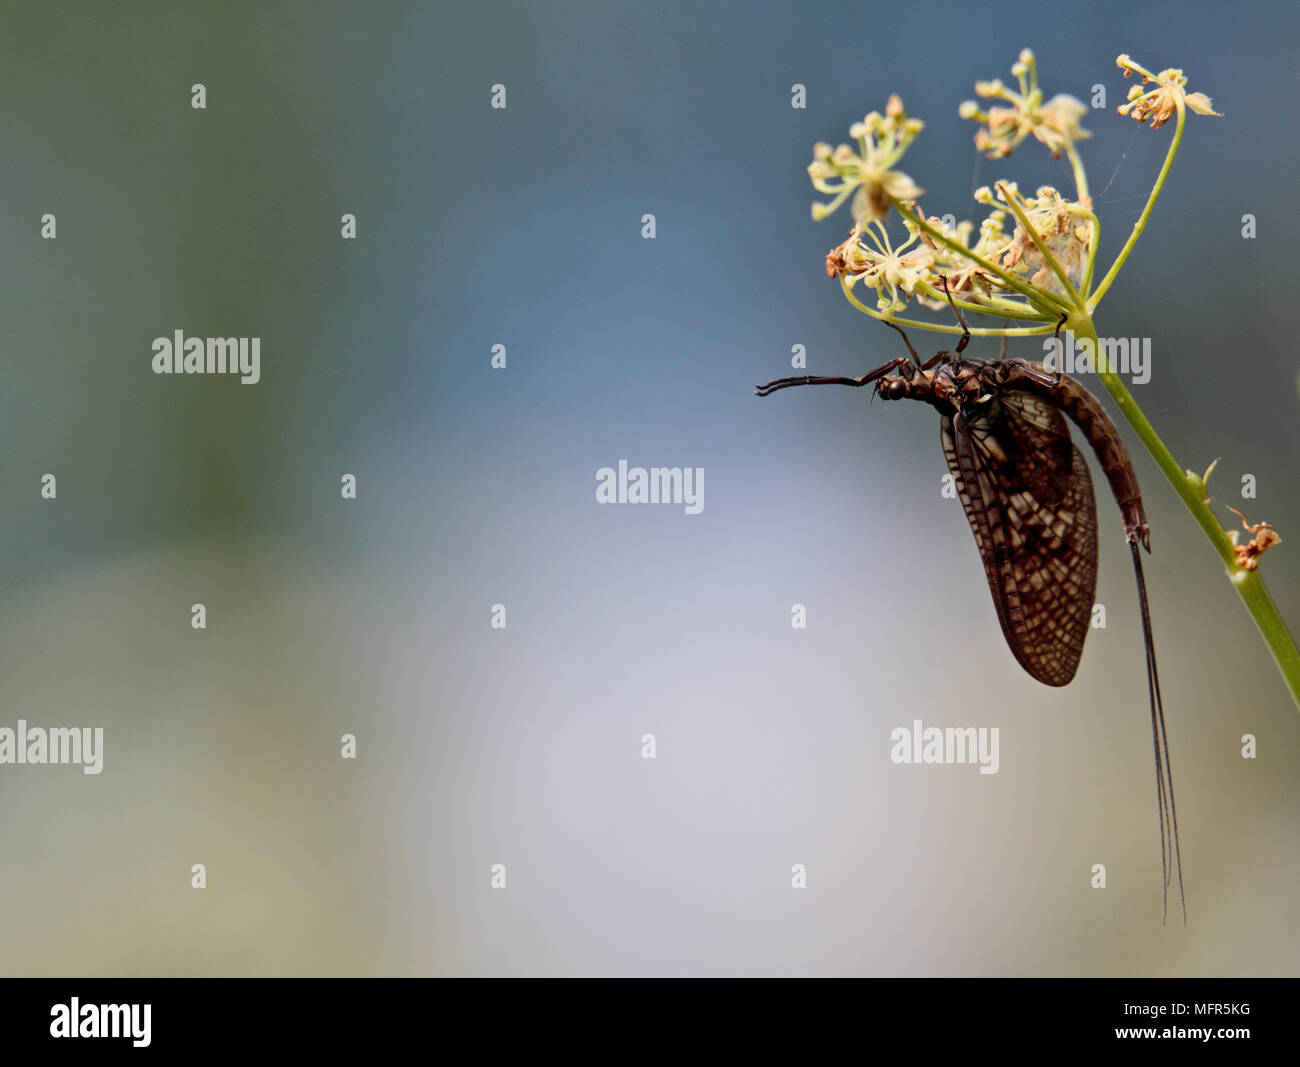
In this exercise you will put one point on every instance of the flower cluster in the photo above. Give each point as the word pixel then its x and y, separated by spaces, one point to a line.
pixel 964 273
pixel 868 256
pixel 882 140
pixel 1064 227
pixel 917 267
pixel 1033 272
pixel 1055 124
pixel 1161 103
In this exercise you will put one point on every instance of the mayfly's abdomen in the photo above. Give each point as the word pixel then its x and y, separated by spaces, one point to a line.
pixel 1097 427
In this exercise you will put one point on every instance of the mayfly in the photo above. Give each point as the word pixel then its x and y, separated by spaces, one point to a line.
pixel 1028 497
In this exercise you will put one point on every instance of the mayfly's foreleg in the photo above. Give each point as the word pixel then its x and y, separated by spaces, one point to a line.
pixel 808 379
pixel 915 358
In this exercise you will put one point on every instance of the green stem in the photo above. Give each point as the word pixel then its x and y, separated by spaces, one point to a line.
pixel 1141 223
pixel 1249 585
pixel 1271 627
pixel 1086 284
pixel 1001 308
pixel 1080 175
pixel 936 327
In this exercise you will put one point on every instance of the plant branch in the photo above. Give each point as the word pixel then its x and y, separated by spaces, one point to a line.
pixel 1080 175
pixel 937 327
pixel 1141 223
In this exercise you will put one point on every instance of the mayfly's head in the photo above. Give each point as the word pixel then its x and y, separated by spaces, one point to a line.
pixel 930 386
pixel 909 383
pixel 895 387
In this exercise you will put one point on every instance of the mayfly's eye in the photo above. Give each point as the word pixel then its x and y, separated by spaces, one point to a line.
pixel 895 389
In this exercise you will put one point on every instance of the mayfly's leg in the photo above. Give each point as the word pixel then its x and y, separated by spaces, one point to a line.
pixel 1002 353
pixel 808 379
pixel 965 330
pixel 1057 334
pixel 915 358
pixel 938 357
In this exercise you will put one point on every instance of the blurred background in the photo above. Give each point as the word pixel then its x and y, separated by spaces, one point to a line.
pixel 476 486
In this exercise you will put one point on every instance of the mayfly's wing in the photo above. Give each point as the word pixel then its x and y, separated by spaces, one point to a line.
pixel 1034 437
pixel 1028 498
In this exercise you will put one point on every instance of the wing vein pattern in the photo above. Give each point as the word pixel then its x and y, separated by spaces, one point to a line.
pixel 1028 498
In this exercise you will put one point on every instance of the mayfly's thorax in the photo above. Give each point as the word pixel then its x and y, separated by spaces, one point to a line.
pixel 963 384
pixel 967 384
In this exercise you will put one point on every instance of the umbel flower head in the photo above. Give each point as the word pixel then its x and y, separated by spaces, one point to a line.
pixel 1033 257
pixel 1161 103
pixel 869 257
pixel 882 140
pixel 963 273
pixel 1055 124
pixel 1063 226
